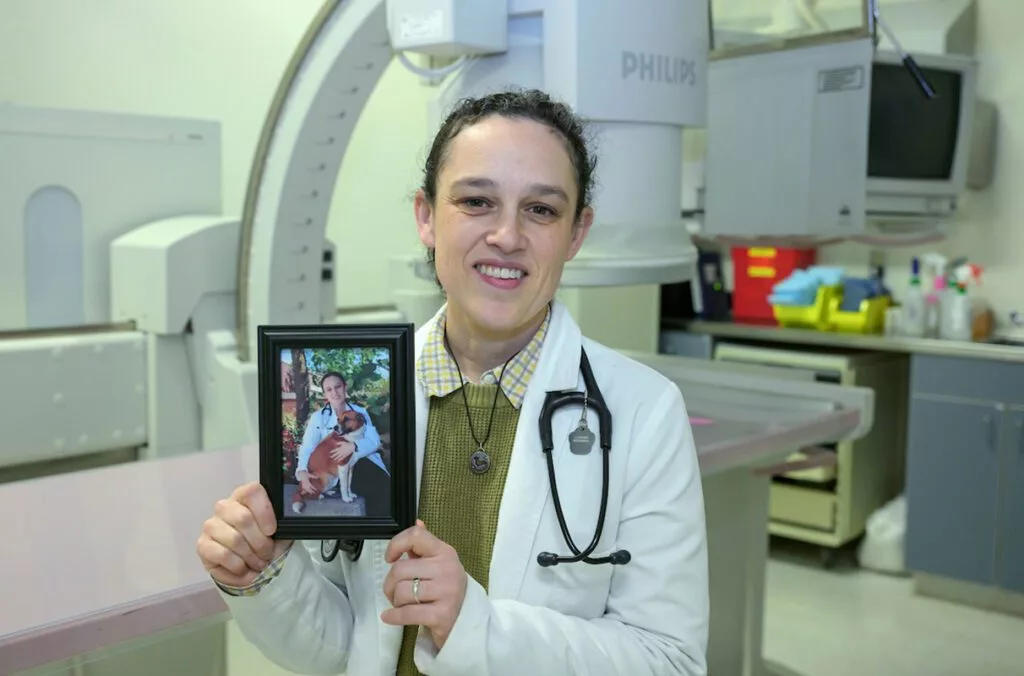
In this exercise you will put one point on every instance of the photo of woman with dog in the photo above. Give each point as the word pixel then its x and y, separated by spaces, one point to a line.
pixel 334 405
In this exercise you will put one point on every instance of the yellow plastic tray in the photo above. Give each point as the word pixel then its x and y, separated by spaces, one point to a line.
pixel 808 316
pixel 869 319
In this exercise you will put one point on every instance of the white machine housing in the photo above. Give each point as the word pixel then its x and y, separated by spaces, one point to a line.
pixel 846 139
pixel 71 181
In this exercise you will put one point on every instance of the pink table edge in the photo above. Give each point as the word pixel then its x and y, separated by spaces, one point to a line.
pixel 78 636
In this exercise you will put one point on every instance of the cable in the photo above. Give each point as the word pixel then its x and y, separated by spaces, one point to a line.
pixel 432 73
pixel 908 60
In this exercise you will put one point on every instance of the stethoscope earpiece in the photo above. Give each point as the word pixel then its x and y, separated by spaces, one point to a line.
pixel 619 557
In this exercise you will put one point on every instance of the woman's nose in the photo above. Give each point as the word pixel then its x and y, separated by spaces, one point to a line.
pixel 507 234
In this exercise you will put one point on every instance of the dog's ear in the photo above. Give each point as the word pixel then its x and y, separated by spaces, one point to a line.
pixel 362 418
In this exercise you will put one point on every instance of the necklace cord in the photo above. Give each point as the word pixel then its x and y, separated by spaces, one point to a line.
pixel 465 399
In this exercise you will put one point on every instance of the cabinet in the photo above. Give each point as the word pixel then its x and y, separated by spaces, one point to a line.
pixel 965 471
pixel 1010 564
pixel 830 506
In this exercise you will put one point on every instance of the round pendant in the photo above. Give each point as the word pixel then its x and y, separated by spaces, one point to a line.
pixel 479 462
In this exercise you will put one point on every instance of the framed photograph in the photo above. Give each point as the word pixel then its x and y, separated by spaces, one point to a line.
pixel 338 429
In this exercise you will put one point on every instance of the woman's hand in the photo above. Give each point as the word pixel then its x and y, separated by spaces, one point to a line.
pixel 442 586
pixel 343 451
pixel 235 545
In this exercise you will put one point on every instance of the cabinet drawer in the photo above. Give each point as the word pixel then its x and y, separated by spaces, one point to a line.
pixel 803 507
pixel 685 344
pixel 981 379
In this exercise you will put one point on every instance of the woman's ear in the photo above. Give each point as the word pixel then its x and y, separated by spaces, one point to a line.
pixel 424 213
pixel 579 232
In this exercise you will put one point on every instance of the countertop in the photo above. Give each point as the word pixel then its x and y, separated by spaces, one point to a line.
pixel 947 348
pixel 107 555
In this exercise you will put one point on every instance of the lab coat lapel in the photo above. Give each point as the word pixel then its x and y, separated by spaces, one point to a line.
pixel 391 636
pixel 526 486
pixel 422 402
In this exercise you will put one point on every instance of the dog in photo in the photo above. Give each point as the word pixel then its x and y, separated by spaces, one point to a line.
pixel 322 467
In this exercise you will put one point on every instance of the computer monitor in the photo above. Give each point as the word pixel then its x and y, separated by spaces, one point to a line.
pixel 919 147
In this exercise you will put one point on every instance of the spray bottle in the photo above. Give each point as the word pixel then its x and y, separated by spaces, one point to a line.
pixel 912 320
pixel 933 300
pixel 958 310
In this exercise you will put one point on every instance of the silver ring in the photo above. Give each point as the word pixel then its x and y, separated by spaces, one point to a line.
pixel 416 590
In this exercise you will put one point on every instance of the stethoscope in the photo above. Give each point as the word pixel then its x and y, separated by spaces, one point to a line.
pixel 581 440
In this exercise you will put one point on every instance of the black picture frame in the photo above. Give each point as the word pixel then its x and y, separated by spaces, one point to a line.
pixel 318 519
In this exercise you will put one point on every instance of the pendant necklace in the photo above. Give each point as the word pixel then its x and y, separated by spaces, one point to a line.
pixel 479 461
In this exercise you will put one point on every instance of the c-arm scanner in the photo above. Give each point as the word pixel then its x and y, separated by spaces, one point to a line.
pixel 166 363
pixel 638 77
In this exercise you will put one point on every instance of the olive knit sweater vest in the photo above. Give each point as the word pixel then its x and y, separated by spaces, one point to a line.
pixel 457 506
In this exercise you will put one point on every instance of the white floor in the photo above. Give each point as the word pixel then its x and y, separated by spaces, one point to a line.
pixel 842 622
pixel 850 622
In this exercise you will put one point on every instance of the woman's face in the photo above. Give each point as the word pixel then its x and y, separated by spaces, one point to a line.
pixel 334 392
pixel 502 226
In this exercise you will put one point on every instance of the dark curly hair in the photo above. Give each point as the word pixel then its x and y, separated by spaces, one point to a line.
pixel 529 104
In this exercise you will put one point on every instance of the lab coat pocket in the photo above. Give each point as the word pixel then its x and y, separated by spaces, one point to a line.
pixel 578 589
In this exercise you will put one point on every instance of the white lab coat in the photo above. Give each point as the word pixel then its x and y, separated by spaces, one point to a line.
pixel 646 618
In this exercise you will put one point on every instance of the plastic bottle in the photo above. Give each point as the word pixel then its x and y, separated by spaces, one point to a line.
pixel 912 321
pixel 933 308
pixel 937 263
pixel 958 308
pixel 957 315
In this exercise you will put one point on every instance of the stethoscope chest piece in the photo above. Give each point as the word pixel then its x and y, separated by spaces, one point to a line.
pixel 329 549
pixel 581 439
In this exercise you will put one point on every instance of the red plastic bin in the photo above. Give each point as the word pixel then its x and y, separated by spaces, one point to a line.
pixel 755 271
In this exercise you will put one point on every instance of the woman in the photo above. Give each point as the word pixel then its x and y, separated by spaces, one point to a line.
pixel 504 204
pixel 370 479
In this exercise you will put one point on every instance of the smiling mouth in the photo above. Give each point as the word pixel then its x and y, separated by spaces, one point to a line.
pixel 496 272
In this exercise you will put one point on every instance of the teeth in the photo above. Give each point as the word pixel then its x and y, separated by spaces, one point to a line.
pixel 499 273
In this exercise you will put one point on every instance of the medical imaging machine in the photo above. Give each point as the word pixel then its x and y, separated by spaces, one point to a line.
pixel 130 305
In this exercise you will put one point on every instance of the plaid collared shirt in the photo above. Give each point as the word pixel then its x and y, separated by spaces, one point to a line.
pixel 438 374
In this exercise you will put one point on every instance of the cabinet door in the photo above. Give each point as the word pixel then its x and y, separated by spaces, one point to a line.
pixel 1011 512
pixel 952 488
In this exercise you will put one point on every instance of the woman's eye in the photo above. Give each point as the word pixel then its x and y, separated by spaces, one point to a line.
pixel 475 203
pixel 542 210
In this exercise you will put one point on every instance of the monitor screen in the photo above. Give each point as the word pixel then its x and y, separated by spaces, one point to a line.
pixel 910 136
